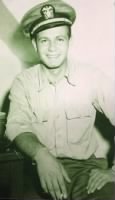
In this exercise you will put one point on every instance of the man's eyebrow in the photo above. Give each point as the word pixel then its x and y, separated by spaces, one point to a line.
pixel 45 37
pixel 41 37
pixel 61 36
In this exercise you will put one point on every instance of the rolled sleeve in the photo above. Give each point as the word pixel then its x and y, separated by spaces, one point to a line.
pixel 19 117
pixel 105 96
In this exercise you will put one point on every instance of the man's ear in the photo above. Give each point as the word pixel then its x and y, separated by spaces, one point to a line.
pixel 34 44
pixel 70 40
pixel 71 50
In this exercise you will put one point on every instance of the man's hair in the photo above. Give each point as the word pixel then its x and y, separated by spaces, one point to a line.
pixel 69 32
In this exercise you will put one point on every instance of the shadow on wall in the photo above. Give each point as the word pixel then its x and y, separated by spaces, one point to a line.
pixel 12 35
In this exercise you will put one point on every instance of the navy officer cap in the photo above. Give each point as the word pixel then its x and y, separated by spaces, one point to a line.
pixel 48 14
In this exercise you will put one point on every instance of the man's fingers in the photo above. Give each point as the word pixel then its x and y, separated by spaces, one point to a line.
pixel 57 188
pixel 50 188
pixel 98 185
pixel 92 179
pixel 65 175
pixel 95 183
pixel 62 187
pixel 101 183
pixel 44 185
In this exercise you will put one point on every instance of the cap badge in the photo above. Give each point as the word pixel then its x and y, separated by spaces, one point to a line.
pixel 48 12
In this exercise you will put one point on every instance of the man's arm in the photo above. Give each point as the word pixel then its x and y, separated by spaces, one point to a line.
pixel 104 102
pixel 28 144
pixel 19 129
pixel 51 173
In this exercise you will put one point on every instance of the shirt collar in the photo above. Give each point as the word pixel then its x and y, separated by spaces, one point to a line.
pixel 70 75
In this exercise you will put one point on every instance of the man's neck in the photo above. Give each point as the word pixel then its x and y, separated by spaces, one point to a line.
pixel 55 75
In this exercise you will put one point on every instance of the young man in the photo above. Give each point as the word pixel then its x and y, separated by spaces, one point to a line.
pixel 53 108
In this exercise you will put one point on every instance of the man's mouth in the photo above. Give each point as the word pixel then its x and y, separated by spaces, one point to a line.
pixel 52 56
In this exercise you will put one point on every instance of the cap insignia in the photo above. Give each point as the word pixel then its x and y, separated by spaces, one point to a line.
pixel 48 12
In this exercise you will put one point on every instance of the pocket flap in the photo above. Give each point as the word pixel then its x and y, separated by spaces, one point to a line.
pixel 76 113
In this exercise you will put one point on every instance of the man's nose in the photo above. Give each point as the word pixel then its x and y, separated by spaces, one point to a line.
pixel 52 46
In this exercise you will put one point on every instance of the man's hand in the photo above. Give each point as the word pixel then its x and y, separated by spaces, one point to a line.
pixel 52 174
pixel 98 178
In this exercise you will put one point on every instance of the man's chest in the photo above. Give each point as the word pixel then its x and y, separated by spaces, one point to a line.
pixel 73 100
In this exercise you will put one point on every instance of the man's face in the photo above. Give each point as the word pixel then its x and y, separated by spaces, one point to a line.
pixel 52 45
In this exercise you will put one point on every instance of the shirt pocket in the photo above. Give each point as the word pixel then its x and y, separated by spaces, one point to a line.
pixel 78 125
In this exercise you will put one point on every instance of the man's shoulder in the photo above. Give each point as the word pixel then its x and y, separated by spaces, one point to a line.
pixel 29 73
pixel 80 68
pixel 26 78
pixel 85 73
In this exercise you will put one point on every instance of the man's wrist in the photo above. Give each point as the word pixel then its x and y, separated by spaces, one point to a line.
pixel 40 149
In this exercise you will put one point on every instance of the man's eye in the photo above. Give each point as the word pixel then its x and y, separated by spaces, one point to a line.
pixel 44 41
pixel 60 39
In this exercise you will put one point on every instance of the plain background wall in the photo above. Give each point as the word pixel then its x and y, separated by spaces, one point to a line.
pixel 9 67
pixel 93 37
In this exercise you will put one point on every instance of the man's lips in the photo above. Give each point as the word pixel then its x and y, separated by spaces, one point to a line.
pixel 53 56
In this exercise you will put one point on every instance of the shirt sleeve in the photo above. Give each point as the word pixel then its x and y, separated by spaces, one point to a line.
pixel 105 95
pixel 19 116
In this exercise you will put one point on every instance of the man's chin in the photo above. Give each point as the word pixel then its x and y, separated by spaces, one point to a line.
pixel 52 66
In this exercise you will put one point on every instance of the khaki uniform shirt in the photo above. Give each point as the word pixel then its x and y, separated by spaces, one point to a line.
pixel 62 114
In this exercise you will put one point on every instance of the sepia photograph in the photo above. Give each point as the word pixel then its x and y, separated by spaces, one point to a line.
pixel 57 100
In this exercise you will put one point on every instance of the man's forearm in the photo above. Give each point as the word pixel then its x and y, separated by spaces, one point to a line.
pixel 28 143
